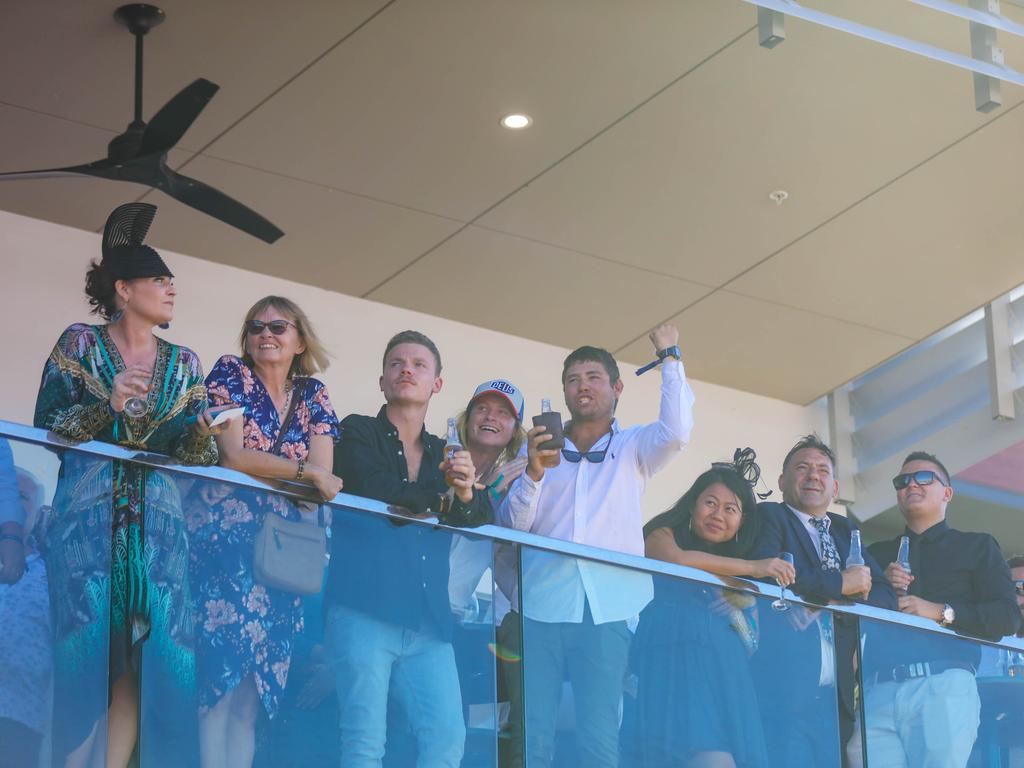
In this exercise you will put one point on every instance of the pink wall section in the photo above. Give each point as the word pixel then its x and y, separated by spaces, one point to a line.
pixel 1004 470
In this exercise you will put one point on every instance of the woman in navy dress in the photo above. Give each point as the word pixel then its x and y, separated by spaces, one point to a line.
pixel 696 704
pixel 245 630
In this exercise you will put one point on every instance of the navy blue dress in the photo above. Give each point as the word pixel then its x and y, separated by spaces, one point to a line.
pixel 694 688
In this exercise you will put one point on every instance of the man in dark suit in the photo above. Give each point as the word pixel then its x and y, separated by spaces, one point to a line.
pixel 820 544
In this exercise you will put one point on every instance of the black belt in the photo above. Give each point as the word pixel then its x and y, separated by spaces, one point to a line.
pixel 904 672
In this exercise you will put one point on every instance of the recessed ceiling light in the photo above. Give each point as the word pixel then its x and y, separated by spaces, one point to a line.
pixel 778 196
pixel 515 121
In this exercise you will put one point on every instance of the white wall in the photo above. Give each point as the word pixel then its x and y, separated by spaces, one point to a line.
pixel 41 293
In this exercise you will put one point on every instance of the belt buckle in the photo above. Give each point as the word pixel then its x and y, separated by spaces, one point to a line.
pixel 905 672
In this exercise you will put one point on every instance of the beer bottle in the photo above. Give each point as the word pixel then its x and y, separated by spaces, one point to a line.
pixel 545 407
pixel 903 560
pixel 452 446
pixel 856 556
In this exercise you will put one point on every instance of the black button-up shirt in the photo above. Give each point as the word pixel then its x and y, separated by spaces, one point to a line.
pixel 397 573
pixel 965 570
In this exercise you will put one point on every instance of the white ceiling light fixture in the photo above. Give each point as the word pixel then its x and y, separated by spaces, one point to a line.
pixel 516 121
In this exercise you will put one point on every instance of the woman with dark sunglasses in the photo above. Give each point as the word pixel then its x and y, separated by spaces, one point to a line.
pixel 696 704
pixel 245 630
pixel 115 542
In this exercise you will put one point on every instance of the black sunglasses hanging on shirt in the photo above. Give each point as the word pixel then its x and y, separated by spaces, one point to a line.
pixel 594 457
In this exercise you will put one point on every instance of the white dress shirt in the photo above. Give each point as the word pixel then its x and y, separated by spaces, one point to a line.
pixel 597 504
pixel 828 664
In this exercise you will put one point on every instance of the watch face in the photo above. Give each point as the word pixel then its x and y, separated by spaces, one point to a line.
pixel 947 615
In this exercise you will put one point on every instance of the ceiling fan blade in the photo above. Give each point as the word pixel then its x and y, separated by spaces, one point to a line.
pixel 102 168
pixel 174 118
pixel 210 201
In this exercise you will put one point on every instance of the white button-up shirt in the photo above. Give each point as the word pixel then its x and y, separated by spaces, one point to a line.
pixel 597 504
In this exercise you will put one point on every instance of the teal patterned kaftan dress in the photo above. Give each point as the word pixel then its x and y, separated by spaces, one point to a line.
pixel 116 548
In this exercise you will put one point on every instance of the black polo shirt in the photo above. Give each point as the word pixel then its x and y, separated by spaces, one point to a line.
pixel 397 573
pixel 965 570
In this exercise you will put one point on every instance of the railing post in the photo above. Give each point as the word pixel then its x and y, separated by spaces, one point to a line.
pixel 841 428
pixel 987 92
pixel 771 27
pixel 999 363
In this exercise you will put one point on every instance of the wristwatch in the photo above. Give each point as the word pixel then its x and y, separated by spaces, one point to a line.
pixel 672 351
pixel 948 615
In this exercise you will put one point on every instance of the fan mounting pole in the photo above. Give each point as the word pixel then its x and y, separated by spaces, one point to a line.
pixel 139 18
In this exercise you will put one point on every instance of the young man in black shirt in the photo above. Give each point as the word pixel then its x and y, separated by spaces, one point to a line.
pixel 921 699
pixel 389 623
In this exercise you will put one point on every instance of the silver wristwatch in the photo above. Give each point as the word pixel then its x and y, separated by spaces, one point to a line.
pixel 948 615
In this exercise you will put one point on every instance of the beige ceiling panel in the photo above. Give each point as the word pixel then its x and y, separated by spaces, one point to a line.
pixel 75 61
pixel 682 186
pixel 407 110
pixel 32 141
pixel 771 350
pixel 921 253
pixel 536 291
pixel 334 240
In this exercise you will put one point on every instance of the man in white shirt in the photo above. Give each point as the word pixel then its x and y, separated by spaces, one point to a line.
pixel 576 610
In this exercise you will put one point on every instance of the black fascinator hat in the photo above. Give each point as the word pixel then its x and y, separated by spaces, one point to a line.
pixel 124 255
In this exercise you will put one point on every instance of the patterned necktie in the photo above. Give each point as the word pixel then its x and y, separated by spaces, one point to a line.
pixel 829 553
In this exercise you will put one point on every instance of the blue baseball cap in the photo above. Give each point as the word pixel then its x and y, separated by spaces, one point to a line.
pixel 505 389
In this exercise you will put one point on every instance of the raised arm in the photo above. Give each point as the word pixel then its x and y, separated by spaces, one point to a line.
pixel 661 441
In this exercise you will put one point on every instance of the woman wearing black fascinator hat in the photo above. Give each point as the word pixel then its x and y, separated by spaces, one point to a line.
pixel 696 704
pixel 119 383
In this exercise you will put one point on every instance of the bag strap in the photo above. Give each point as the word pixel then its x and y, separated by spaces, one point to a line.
pixel 298 391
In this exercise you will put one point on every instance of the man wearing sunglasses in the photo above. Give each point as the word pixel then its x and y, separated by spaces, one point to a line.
pixel 921 700
pixel 576 610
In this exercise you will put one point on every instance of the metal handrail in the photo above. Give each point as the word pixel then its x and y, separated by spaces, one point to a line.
pixel 348 502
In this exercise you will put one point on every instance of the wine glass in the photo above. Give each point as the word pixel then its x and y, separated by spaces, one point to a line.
pixel 781 604
pixel 136 406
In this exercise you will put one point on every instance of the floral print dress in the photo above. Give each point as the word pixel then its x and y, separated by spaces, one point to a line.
pixel 244 628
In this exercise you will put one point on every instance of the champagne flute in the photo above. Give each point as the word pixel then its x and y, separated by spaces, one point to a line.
pixel 781 604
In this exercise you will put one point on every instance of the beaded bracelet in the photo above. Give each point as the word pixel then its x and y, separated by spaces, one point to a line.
pixel 299 471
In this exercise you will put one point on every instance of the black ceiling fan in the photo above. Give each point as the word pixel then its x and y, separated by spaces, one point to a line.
pixel 140 153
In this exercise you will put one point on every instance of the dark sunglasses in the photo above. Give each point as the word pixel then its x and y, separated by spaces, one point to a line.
pixel 277 327
pixel 921 477
pixel 594 457
pixel 1019 586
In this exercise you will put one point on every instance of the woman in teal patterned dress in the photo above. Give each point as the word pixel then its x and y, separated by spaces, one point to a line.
pixel 116 547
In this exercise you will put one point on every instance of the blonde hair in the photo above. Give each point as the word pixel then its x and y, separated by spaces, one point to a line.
pixel 314 359
pixel 509 452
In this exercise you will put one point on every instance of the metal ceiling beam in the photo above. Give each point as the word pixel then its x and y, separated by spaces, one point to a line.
pixel 986 63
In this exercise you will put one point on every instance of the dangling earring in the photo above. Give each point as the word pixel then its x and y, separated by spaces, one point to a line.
pixel 117 315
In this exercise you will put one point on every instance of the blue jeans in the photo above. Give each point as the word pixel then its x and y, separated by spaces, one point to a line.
pixel 369 657
pixel 593 657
